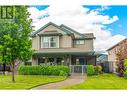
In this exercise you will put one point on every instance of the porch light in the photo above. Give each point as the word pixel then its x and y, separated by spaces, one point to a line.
pixel 77 60
pixel 43 57
pixel 62 61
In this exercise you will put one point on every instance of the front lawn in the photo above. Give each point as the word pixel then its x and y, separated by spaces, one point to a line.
pixel 27 82
pixel 103 81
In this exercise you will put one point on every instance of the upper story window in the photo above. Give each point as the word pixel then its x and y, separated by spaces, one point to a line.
pixel 50 42
pixel 79 42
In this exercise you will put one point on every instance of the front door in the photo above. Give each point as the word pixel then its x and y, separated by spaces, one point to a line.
pixel 81 61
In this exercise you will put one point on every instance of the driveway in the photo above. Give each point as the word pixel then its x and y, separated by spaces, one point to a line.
pixel 72 80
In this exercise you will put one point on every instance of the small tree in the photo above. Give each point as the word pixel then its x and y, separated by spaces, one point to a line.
pixel 121 54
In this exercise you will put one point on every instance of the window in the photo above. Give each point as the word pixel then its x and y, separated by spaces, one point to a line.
pixel 79 42
pixel 50 42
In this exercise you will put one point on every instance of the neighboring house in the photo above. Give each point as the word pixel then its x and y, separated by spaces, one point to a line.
pixel 112 58
pixel 102 58
pixel 58 45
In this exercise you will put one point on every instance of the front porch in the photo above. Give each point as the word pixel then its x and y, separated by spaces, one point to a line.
pixel 77 62
pixel 64 60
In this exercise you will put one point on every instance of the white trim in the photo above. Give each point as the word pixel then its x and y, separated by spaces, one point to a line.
pixel 57 44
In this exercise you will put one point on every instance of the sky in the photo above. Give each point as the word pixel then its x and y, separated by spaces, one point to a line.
pixel 118 27
pixel 108 23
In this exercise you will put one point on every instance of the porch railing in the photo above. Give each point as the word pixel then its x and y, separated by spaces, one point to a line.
pixel 75 69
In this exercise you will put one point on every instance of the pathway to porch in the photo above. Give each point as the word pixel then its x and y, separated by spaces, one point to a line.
pixel 72 80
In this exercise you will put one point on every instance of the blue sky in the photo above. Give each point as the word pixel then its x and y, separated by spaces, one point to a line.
pixel 118 27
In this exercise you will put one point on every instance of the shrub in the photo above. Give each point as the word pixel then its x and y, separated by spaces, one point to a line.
pixel 125 68
pixel 90 70
pixel 125 64
pixel 98 70
pixel 44 70
pixel 125 74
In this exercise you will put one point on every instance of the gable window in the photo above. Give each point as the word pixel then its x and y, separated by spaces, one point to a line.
pixel 79 42
pixel 50 42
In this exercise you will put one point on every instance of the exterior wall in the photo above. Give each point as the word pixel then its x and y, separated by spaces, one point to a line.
pixel 111 55
pixel 36 43
pixel 87 46
pixel 91 60
pixel 112 59
pixel 65 41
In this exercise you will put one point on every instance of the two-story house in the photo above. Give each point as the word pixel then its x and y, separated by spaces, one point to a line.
pixel 62 45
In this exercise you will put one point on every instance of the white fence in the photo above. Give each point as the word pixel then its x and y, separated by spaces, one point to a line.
pixel 78 69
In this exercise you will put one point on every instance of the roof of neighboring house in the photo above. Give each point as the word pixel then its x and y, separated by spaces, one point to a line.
pixel 116 44
pixel 67 30
pixel 102 57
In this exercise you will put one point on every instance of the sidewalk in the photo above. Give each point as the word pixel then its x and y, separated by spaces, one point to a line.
pixel 72 80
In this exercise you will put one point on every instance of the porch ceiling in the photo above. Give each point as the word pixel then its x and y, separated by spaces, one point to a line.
pixel 92 53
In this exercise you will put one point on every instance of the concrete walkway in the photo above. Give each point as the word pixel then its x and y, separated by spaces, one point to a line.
pixel 72 80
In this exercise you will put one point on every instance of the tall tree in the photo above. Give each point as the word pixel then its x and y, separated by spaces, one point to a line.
pixel 17 40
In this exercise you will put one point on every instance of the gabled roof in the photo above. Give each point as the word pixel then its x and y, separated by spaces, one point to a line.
pixel 89 35
pixel 67 30
pixel 50 23
pixel 116 44
pixel 72 30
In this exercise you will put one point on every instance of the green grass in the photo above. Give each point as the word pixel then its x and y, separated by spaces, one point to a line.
pixel 27 82
pixel 103 81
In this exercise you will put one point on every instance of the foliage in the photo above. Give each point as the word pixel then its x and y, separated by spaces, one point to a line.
pixel 125 68
pixel 15 42
pixel 44 70
pixel 27 82
pixel 98 69
pixel 62 73
pixel 125 74
pixel 121 55
pixel 125 64
pixel 94 70
pixel 90 70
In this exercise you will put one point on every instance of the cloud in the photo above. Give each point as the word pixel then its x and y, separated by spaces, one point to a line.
pixel 79 18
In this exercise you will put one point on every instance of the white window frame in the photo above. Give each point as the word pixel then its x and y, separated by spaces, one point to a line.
pixel 77 42
pixel 42 44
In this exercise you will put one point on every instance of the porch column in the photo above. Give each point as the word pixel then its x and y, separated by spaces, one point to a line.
pixel 55 60
pixel 65 60
pixel 46 60
pixel 34 60
pixel 68 60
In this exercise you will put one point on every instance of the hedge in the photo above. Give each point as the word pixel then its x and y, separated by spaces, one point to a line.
pixel 44 70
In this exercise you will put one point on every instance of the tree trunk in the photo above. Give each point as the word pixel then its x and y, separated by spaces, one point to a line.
pixel 13 71
pixel 4 68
